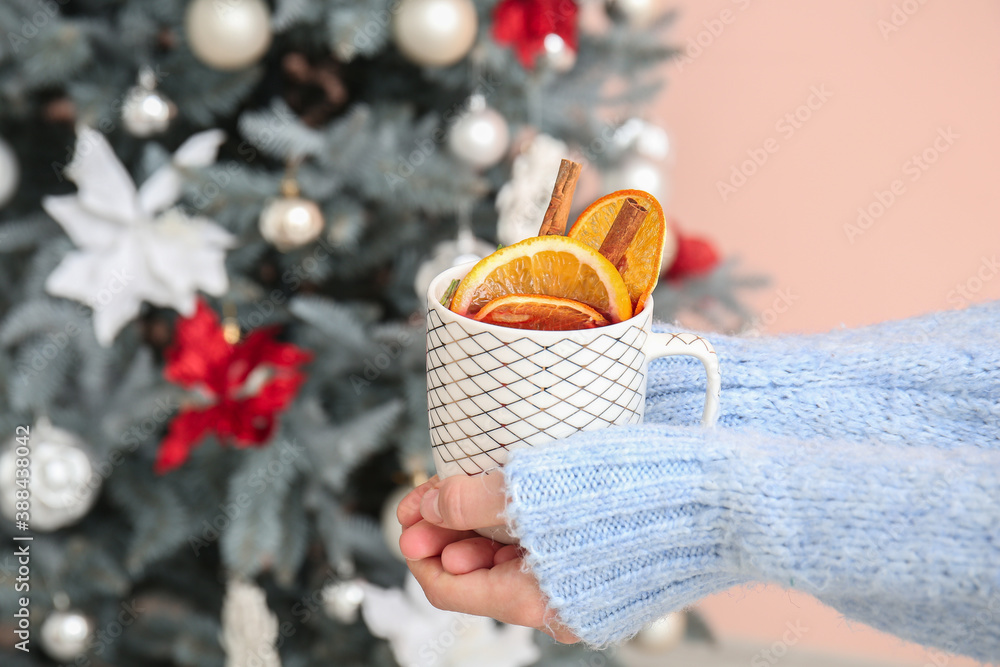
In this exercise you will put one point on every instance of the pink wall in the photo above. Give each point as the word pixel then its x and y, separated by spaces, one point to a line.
pixel 892 96
pixel 889 99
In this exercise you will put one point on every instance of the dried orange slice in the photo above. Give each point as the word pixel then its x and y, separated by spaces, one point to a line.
pixel 646 252
pixel 547 266
pixel 542 313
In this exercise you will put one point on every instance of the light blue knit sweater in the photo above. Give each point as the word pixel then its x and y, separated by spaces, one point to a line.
pixel 860 466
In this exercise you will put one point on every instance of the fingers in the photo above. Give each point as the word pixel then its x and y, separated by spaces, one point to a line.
pixel 504 592
pixel 423 540
pixel 507 552
pixel 465 503
pixel 557 630
pixel 469 555
pixel 459 502
pixel 408 510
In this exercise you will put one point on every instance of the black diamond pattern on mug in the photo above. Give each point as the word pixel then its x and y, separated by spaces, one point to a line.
pixel 484 395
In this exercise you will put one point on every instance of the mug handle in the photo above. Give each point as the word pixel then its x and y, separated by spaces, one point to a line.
pixel 692 345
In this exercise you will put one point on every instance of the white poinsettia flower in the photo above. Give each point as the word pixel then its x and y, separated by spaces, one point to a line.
pixel 131 245
pixel 422 635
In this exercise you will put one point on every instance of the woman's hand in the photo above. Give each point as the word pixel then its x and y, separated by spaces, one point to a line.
pixel 461 571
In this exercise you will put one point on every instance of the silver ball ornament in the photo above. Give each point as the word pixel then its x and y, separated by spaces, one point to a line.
pixel 435 33
pixel 342 600
pixel 481 137
pixel 146 110
pixel 558 55
pixel 63 482
pixel 646 139
pixel 640 173
pixel 228 34
pixel 290 222
pixel 65 635
pixel 635 12
pixel 10 172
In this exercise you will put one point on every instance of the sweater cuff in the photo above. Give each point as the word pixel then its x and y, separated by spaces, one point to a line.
pixel 621 526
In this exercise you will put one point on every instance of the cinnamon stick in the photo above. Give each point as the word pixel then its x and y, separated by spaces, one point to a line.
pixel 557 214
pixel 623 230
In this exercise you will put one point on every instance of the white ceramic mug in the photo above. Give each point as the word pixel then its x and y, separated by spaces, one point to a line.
pixel 492 389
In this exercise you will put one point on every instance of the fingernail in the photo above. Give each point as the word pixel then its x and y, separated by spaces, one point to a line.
pixel 429 506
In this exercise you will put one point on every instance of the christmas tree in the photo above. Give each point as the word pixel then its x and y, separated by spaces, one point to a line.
pixel 217 220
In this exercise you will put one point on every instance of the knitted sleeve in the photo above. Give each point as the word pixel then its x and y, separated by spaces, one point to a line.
pixel 860 466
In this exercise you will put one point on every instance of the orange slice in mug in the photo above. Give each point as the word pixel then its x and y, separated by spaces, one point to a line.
pixel 541 313
pixel 644 254
pixel 546 266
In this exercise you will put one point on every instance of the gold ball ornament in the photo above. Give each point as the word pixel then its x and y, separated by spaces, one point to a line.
pixel 228 34
pixel 291 221
pixel 435 33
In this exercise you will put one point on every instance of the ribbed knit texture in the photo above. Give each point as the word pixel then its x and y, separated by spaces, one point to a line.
pixel 860 466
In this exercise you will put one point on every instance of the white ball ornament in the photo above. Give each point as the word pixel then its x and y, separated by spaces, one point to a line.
pixel 228 34
pixel 65 635
pixel 10 172
pixel 64 485
pixel 481 137
pixel 435 33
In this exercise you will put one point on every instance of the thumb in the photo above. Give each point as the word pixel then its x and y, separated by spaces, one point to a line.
pixel 466 503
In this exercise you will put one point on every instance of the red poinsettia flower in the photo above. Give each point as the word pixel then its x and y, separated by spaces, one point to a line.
pixel 526 23
pixel 696 256
pixel 241 387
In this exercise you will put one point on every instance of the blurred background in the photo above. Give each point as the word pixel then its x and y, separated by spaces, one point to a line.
pixel 218 219
pixel 892 90
pixel 897 74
